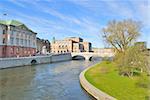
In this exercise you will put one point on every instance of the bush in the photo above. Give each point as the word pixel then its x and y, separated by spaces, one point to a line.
pixel 133 59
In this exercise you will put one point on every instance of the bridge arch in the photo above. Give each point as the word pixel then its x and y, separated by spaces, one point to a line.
pixel 85 57
pixel 89 55
pixel 78 57
pixel 33 62
pixel 90 58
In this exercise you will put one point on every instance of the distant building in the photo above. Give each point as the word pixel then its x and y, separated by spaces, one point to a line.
pixel 104 51
pixel 16 39
pixel 87 46
pixel 42 43
pixel 142 45
pixel 75 39
pixel 71 44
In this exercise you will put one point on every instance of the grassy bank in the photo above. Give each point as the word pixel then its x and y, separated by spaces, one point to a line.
pixel 105 77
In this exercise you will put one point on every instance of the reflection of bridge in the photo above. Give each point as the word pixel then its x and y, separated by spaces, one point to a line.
pixel 89 55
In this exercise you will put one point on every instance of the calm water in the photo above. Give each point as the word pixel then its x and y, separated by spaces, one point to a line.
pixel 56 81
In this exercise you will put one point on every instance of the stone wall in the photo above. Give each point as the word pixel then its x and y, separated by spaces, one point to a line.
pixel 96 93
pixel 23 61
pixel 61 57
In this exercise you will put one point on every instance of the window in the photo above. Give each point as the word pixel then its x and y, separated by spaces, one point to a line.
pixel 12 32
pixel 17 50
pixel 29 42
pixel 17 34
pixel 4 31
pixel 25 42
pixel 17 41
pixel 33 43
pixel 21 41
pixel 3 40
pixel 11 40
pixel 12 50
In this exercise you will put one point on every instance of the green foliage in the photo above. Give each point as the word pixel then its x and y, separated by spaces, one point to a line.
pixel 121 35
pixel 131 61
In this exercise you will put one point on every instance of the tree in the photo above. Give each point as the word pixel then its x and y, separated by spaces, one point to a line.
pixel 121 34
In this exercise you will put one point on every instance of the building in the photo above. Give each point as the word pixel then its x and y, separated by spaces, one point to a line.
pixel 104 51
pixel 87 46
pixel 142 45
pixel 71 44
pixel 16 39
pixel 41 43
pixel 61 46
pixel 75 39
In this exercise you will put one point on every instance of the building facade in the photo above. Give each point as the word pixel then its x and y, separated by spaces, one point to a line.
pixel 71 44
pixel 87 46
pixel 16 40
pixel 41 43
pixel 104 51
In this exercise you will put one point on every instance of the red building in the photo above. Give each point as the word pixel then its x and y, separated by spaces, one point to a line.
pixel 16 39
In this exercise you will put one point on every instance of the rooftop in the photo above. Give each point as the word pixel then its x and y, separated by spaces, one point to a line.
pixel 14 23
pixel 11 22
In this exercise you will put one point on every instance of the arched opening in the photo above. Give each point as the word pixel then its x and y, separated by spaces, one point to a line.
pixel 33 62
pixel 91 58
pixel 78 57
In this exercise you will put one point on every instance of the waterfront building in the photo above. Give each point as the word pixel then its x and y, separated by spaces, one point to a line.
pixel 41 43
pixel 16 39
pixel 75 39
pixel 87 46
pixel 71 44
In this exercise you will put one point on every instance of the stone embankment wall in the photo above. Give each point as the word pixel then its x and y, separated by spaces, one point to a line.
pixel 24 61
pixel 96 93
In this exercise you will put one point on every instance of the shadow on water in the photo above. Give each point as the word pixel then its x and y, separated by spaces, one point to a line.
pixel 56 81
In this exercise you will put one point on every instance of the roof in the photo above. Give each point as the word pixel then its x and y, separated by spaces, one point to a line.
pixel 14 23
pixel 11 22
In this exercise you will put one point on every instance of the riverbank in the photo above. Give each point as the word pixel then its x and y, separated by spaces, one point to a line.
pixel 104 76
pixel 95 92
pixel 25 61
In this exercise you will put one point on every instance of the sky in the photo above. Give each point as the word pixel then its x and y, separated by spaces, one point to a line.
pixel 76 18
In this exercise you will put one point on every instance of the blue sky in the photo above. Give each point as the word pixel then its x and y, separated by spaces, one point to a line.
pixel 79 18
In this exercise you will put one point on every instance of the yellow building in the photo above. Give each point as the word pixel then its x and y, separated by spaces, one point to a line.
pixel 71 44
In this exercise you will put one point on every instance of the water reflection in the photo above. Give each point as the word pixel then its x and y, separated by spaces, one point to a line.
pixel 56 81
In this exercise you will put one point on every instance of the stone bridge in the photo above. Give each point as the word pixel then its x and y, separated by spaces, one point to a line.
pixel 89 55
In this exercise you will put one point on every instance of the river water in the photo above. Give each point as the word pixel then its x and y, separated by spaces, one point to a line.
pixel 55 81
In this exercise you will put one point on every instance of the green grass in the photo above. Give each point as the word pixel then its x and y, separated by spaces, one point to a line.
pixel 105 77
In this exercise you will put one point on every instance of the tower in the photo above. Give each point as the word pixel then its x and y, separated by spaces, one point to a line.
pixel 53 41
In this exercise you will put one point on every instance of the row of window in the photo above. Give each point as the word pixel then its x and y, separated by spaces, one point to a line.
pixel 61 51
pixel 19 34
pixel 25 51
pixel 25 36
pixel 21 42
pixel 62 46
